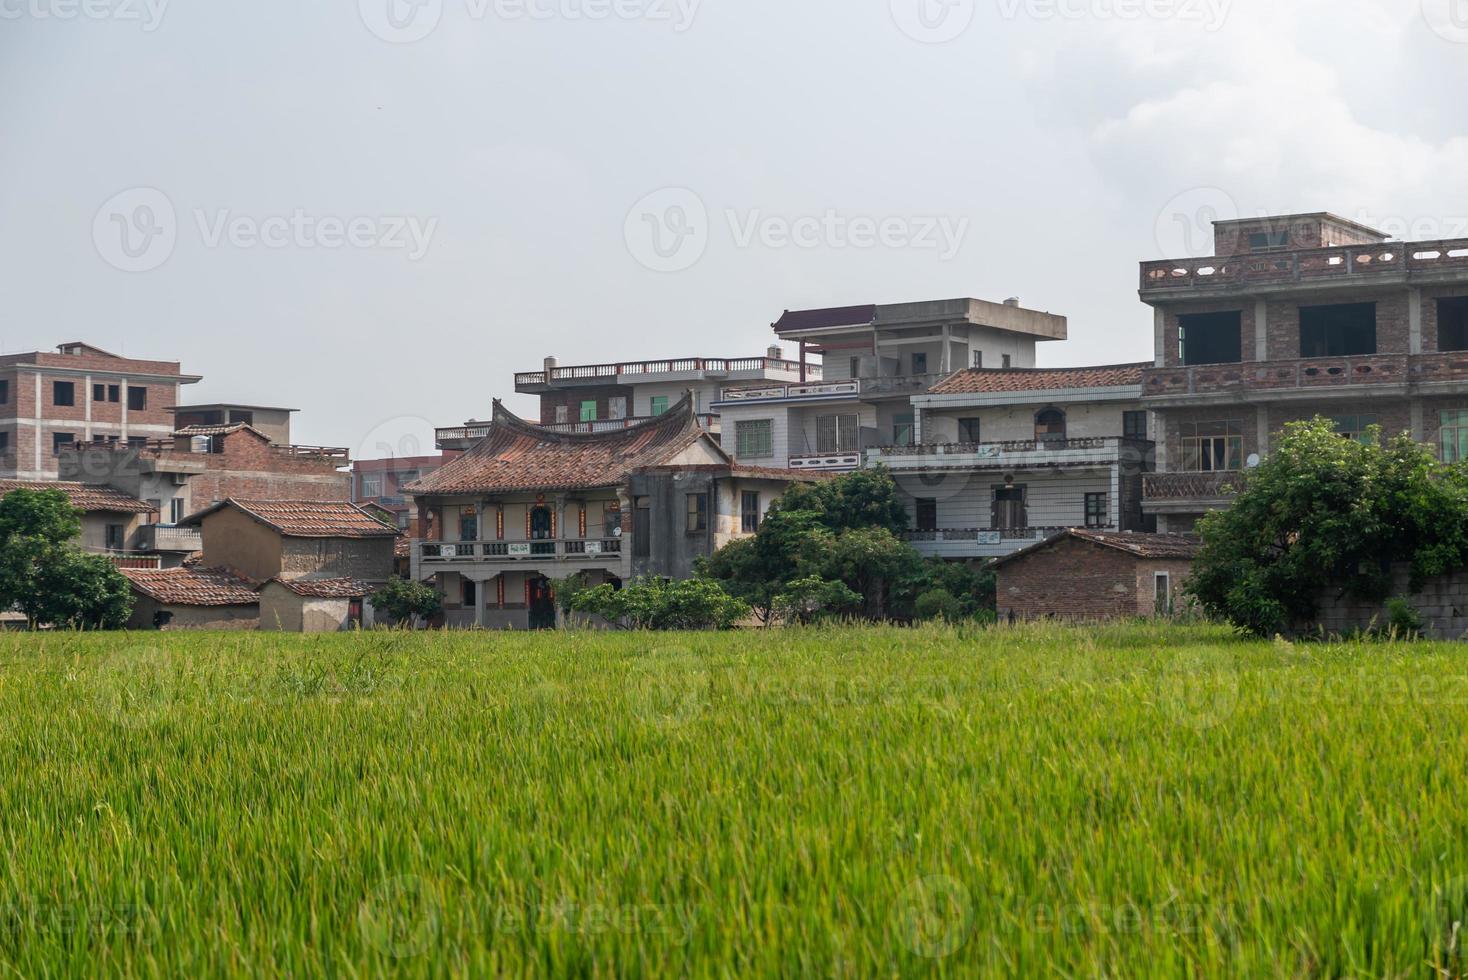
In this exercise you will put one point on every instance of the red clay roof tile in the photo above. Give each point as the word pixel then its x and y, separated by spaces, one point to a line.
pixel 982 380
pixel 193 586
pixel 83 497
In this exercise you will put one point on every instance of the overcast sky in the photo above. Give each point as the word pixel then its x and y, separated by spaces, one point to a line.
pixel 377 211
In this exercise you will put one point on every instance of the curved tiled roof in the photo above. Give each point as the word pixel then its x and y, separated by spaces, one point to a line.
pixel 1137 544
pixel 83 497
pixel 981 380
pixel 192 586
pixel 219 430
pixel 306 518
pixel 838 316
pixel 518 456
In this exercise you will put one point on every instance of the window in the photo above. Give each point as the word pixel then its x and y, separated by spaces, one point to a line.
pixel 1263 240
pixel 63 393
pixel 920 364
pixel 659 405
pixel 588 411
pixel 175 510
pixel 141 442
pixel 1096 506
pixel 1338 331
pixel 1354 426
pixel 855 367
pixel 563 414
pixel 114 393
pixel 4 391
pixel 698 512
pixel 968 431
pixel 978 359
pixel 754 439
pixel 1452 324
pixel 60 441
pixel 468 524
pixel 617 407
pixel 237 417
pixel 904 428
pixel 927 514
pixel 1134 425
pixel 4 443
pixel 1162 593
pixel 371 486
pixel 116 537
pixel 1211 338
pixel 137 399
pixel 749 511
pixel 1008 508
pixel 99 393
pixel 836 434
pixel 1209 447
pixel 1455 436
pixel 1006 362
pixel 1050 425
pixel 469 592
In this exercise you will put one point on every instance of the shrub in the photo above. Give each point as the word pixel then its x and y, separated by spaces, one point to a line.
pixel 656 604
pixel 1403 621
pixel 812 599
pixel 403 601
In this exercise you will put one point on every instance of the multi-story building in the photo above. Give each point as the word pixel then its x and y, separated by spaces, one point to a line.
pixel 273 423
pixel 1003 459
pixel 874 360
pixel 80 394
pixel 529 505
pixel 1298 316
pixel 381 482
pixel 605 397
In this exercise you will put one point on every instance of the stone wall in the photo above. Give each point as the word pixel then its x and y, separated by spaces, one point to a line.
pixel 1442 604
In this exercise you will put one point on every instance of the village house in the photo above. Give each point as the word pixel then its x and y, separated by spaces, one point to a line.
pixel 1296 316
pixel 190 598
pixel 529 505
pixel 112 521
pixel 1082 574
pixel 380 482
pixel 80 394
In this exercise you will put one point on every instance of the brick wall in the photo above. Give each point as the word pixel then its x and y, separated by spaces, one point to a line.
pixel 572 400
pixel 1442 603
pixel 369 559
pixel 1080 580
pixel 1392 322
pixel 249 469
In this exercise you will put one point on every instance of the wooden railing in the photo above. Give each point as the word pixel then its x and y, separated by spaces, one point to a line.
pixel 562 549
pixel 1189 486
pixel 1312 372
pixel 1388 260
pixel 680 365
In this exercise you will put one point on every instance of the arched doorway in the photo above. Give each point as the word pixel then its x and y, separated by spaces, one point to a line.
pixel 542 604
pixel 1049 426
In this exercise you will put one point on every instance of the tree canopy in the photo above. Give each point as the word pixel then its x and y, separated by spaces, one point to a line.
pixel 44 574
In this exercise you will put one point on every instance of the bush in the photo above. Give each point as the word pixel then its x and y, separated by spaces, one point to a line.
pixel 813 599
pixel 1403 621
pixel 939 604
pixel 403 601
pixel 655 604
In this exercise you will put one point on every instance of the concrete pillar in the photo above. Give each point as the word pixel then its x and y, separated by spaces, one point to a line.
pixel 1159 336
pixel 1419 424
pixel 1263 429
pixel 1261 330
pixel 1414 321
pixel 87 394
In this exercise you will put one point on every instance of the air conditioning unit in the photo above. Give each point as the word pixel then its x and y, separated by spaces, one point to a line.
pixel 178 479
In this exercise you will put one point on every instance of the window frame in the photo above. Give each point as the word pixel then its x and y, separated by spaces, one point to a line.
pixel 1457 451
pixel 60 439
pixel 115 537
pixel 56 389
pixel 1049 434
pixel 749 516
pixel 1455 310
pixel 370 485
pixel 1227 446
pixel 1328 340
pixel 1129 429
pixel 4 443
pixel 919 363
pixel 762 449
pixel 972 426
pixel 1211 323
pixel 658 405
pixel 4 391
pixel 697 513
pixel 904 428
pixel 586 411
pixel 1162 593
pixel 137 398
pixel 925 514
pixel 1354 427
pixel 1098 509
pixel 838 431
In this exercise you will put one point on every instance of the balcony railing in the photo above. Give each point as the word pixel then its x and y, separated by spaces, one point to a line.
pixel 1038 452
pixel 563 549
pixel 1388 261
pixel 163 537
pixel 907 384
pixel 986 542
pixel 617 425
pixel 1189 486
pixel 684 365
pixel 778 392
pixel 1309 373
pixel 827 462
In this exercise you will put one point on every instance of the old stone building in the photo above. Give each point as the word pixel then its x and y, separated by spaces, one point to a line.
pixel 1086 575
pixel 293 539
pixel 1297 316
pixel 189 598
pixel 112 521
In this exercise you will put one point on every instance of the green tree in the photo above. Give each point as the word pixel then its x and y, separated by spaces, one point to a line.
pixel 655 604
pixel 35 526
pixel 77 591
pixel 860 500
pixel 1323 512
pixel 406 602
pixel 813 599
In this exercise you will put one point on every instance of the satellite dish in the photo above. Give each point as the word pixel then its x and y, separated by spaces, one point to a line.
pixel 1253 461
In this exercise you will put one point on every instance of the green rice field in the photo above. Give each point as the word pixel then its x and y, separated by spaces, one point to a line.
pixel 1131 801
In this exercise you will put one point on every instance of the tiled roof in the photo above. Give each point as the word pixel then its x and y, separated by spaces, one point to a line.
pixel 839 316
pixel 325 588
pixel 192 431
pixel 84 497
pixel 305 518
pixel 981 380
pixel 1156 546
pixel 193 586
pixel 518 456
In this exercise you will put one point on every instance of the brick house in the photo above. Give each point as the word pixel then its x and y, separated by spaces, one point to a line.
pixel 80 394
pixel 111 520
pixel 1087 575
pixel 292 539
pixel 189 598
pixel 314 605
pixel 381 482
pixel 1297 316
pixel 529 505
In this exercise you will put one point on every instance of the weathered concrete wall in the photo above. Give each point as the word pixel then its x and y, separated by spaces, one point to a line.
pixel 193 617
pixel 1442 604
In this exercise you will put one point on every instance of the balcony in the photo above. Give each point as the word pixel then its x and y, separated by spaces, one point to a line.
pixel 686 368
pixel 1045 453
pixel 435 553
pixel 1308 379
pixel 981 542
pixel 826 391
pixel 709 422
pixel 837 462
pixel 905 385
pixel 163 537
pixel 1164 493
pixel 1356 265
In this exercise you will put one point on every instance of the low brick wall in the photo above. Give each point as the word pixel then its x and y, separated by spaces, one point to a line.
pixel 1442 604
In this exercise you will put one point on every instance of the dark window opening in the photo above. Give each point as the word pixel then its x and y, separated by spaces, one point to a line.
pixel 470 592
pixel 63 393
pixel 1452 323
pixel 137 399
pixel 920 364
pixel 927 514
pixel 1009 511
pixel 1050 425
pixel 1096 507
pixel 1134 425
pixel 698 512
pixel 1211 338
pixel 99 393
pixel 642 529
pixel 247 418
pixel 116 537
pixel 4 443
pixel 4 392
pixel 113 393
pixel 1262 240
pixel 60 441
pixel 969 431
pixel 1338 331
pixel 749 511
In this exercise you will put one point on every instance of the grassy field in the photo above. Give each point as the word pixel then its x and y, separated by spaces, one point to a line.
pixel 1132 801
